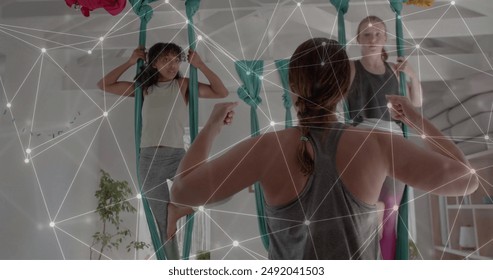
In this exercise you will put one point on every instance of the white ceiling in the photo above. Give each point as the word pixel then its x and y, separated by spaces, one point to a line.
pixel 456 41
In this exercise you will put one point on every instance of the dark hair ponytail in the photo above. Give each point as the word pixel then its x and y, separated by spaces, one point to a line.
pixel 149 75
pixel 319 74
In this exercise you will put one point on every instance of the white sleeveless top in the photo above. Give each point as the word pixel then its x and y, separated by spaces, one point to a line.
pixel 164 116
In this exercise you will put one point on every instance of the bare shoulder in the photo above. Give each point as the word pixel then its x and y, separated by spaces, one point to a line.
pixel 359 143
pixel 272 141
pixel 361 163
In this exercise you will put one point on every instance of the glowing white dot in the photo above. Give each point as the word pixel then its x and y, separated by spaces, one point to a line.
pixel 399 17
pixel 389 105
pixel 418 46
pixel 248 73
pixel 43 50
pixel 452 2
pixel 101 39
pixel 89 52
pixel 236 243
pixel 298 4
pixel 139 196
pixel 307 223
pixel 166 1
pixel 188 21
pixel 105 114
pixel 423 136
pixel 28 151
pixel 261 77
pixel 395 208
pixel 9 105
pixel 199 38
pixel 322 63
pixel 486 137
pixel 201 208
pixel 26 160
pixel 52 224
pixel 370 25
pixel 473 171
pixel 272 123
pixel 324 43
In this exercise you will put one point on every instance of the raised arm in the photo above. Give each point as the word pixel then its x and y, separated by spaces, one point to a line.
pixel 440 168
pixel 110 83
pixel 215 88
pixel 200 181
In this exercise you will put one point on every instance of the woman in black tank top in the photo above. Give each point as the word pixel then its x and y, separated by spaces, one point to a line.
pixel 372 78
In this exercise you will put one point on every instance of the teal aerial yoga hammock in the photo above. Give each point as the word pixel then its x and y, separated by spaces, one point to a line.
pixel 402 246
pixel 192 6
pixel 249 72
pixel 342 7
pixel 144 11
pixel 282 67
pixel 402 252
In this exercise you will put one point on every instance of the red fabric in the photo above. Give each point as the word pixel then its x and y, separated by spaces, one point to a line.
pixel 113 7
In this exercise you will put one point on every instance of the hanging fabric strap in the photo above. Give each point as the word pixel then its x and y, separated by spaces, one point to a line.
pixel 250 72
pixel 282 67
pixel 144 11
pixel 402 251
pixel 342 7
pixel 191 6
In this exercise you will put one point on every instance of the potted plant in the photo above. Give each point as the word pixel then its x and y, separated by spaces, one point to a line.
pixel 113 201
pixel 203 255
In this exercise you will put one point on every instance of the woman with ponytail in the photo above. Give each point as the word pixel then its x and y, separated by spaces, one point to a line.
pixel 321 179
pixel 372 78
pixel 164 116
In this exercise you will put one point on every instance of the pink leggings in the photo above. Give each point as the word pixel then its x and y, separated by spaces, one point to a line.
pixel 390 195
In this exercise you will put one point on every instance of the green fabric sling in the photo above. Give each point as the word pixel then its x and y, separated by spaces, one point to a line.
pixel 249 72
pixel 402 251
pixel 283 67
pixel 192 6
pixel 144 11
pixel 342 7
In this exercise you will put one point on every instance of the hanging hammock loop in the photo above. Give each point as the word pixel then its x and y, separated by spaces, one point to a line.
pixel 342 6
pixel 192 6
pixel 142 9
pixel 248 98
pixel 396 6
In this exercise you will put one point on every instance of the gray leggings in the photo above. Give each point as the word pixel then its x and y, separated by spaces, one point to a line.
pixel 155 166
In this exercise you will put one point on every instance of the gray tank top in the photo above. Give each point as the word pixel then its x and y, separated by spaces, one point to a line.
pixel 326 221
pixel 366 98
